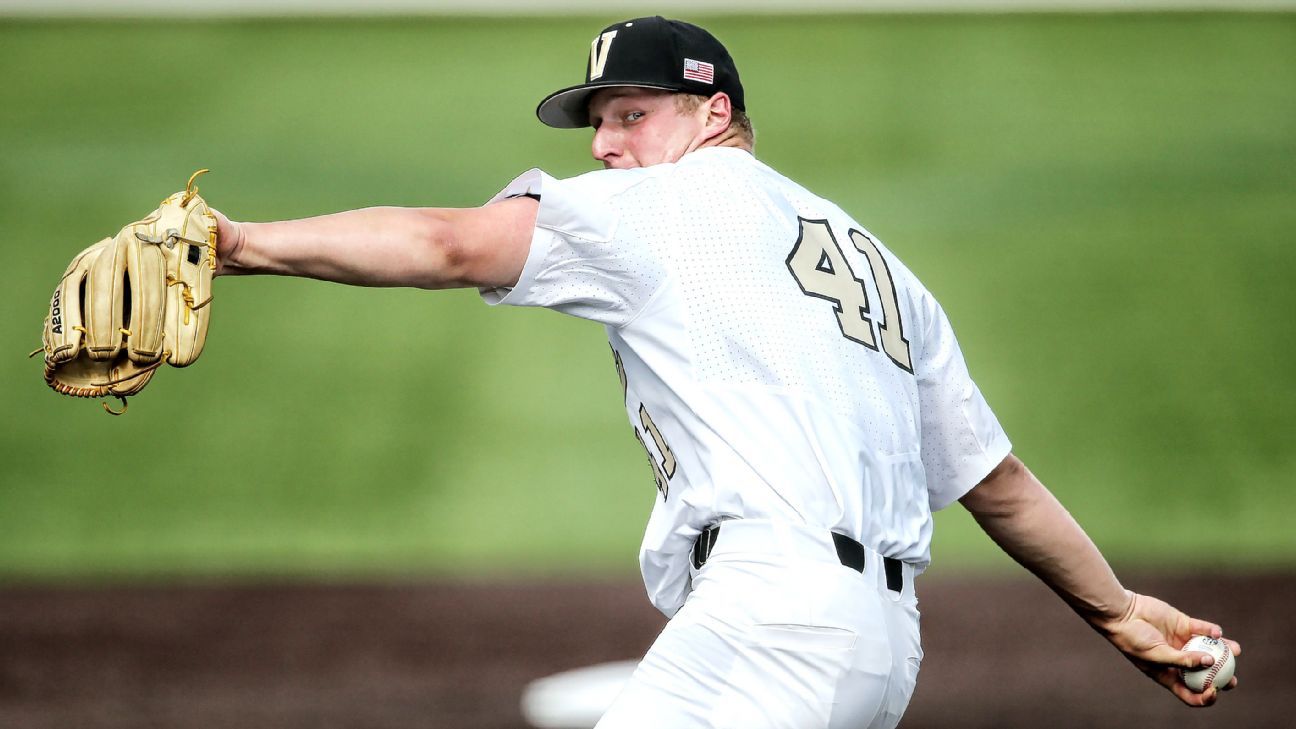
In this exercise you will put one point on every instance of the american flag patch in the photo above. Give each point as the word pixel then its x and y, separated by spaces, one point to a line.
pixel 699 71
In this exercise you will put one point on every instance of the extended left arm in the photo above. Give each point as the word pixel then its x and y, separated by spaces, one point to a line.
pixel 1028 523
pixel 431 248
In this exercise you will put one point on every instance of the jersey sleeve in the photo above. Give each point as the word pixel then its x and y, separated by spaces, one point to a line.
pixel 576 265
pixel 961 439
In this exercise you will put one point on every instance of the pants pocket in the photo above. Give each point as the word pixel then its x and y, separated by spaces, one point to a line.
pixel 790 636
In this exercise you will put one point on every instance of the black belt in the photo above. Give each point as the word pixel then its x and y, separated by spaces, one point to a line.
pixel 851 553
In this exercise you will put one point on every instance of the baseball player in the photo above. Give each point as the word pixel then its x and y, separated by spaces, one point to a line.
pixel 800 395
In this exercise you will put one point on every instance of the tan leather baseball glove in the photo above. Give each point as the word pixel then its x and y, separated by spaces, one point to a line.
pixel 128 304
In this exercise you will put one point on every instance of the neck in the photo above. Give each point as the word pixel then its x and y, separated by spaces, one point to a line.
pixel 728 138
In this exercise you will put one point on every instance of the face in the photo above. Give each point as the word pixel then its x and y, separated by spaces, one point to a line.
pixel 636 127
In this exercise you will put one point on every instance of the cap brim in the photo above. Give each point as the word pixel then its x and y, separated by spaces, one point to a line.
pixel 569 108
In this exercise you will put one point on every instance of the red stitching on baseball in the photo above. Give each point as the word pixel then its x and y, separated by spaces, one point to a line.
pixel 1215 667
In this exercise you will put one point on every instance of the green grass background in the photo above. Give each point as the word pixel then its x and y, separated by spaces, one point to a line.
pixel 1105 205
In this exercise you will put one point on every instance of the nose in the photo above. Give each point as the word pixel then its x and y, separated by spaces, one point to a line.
pixel 605 147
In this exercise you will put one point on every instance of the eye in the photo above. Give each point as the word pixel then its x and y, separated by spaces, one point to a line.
pixel 632 116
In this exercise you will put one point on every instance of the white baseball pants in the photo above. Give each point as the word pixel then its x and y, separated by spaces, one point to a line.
pixel 777 634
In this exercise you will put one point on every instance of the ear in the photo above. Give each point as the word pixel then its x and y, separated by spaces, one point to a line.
pixel 719 113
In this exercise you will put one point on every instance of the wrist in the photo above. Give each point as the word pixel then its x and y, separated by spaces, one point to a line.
pixel 1115 614
pixel 231 239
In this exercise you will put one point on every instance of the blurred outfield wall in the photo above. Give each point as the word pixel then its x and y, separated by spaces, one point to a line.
pixel 1102 202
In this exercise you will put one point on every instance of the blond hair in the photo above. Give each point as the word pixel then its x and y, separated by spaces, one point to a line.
pixel 739 122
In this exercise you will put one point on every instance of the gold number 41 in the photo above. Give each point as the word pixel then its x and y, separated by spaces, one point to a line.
pixel 820 268
pixel 664 471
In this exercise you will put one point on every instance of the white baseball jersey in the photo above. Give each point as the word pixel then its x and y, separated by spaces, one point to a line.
pixel 777 361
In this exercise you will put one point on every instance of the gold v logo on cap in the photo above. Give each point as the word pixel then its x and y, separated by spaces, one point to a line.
pixel 599 54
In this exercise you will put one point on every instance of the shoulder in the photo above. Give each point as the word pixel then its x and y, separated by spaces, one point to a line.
pixel 717 161
pixel 707 162
pixel 606 184
pixel 593 186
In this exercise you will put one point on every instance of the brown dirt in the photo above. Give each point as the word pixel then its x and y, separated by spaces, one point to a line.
pixel 1000 653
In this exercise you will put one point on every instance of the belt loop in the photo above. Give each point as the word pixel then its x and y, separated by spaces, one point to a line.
pixel 850 553
pixel 894 574
pixel 704 544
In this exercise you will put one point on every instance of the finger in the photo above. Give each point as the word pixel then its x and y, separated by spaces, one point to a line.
pixel 1204 627
pixel 146 271
pixel 1172 680
pixel 1234 646
pixel 102 310
pixel 64 326
pixel 1192 698
pixel 1195 660
pixel 1232 684
pixel 1168 656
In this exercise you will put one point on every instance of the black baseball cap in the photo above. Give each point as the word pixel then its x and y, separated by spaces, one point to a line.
pixel 652 53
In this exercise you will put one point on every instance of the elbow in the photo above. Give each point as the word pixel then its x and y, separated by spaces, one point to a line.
pixel 474 247
pixel 1009 469
pixel 442 260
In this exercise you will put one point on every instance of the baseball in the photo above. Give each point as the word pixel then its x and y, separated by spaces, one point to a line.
pixel 1216 674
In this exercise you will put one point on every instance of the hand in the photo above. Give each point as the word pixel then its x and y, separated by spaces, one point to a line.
pixel 229 242
pixel 1149 634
